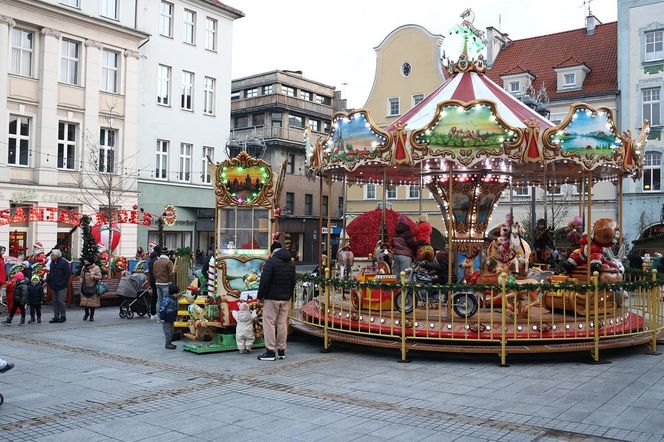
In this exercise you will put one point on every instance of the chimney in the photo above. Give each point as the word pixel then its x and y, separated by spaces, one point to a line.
pixel 591 24
pixel 496 41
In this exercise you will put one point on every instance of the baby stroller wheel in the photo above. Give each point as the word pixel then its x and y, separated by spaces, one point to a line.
pixel 2 399
pixel 123 314
pixel 130 314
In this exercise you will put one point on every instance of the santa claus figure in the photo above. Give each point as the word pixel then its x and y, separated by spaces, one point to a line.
pixel 38 255
pixel 597 247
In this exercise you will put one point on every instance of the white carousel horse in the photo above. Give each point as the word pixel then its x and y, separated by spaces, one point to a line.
pixel 521 247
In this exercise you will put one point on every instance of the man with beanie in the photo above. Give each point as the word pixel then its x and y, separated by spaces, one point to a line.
pixel 20 299
pixel 274 292
pixel 58 281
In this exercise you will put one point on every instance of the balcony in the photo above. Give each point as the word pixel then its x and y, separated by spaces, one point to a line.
pixel 272 133
pixel 282 101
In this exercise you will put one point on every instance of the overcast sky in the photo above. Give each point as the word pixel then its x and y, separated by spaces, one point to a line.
pixel 332 42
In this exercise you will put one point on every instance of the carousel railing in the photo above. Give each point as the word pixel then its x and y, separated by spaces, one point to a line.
pixel 510 317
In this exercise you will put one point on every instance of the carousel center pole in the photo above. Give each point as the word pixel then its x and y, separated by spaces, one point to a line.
pixel 582 214
pixel 320 225
pixel 450 229
pixel 589 189
pixel 383 223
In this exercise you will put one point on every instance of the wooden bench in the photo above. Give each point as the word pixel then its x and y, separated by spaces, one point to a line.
pixel 108 298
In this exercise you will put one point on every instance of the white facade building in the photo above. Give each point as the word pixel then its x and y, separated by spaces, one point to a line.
pixel 184 113
pixel 641 79
pixel 68 90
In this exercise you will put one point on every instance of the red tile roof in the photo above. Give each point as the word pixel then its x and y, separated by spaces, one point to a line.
pixel 539 56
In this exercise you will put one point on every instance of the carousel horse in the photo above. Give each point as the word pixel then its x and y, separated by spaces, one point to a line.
pixel 345 261
pixel 521 247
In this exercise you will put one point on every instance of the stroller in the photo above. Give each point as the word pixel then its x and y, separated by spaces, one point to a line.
pixel 135 294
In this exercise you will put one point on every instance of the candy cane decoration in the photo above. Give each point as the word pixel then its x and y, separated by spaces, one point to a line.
pixel 212 278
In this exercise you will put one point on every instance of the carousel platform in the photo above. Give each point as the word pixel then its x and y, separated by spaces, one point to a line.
pixel 436 330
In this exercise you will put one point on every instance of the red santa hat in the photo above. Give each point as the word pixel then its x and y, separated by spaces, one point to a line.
pixel 38 245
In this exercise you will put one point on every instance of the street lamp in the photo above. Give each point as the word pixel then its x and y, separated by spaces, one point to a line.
pixel 252 143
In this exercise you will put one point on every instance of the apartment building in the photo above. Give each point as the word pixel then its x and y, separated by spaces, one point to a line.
pixel 183 113
pixel 275 108
pixel 69 89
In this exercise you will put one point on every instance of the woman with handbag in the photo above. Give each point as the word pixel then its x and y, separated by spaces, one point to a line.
pixel 90 296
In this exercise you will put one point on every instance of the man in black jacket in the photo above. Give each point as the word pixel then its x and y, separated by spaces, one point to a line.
pixel 58 281
pixel 274 292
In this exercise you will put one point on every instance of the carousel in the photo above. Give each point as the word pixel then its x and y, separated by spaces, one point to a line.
pixel 468 142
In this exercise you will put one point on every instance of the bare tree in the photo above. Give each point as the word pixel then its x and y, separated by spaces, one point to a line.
pixel 103 182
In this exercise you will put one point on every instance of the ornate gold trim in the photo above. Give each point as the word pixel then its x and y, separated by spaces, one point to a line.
pixel 221 266
pixel 225 198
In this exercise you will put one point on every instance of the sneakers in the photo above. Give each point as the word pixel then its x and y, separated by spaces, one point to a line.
pixel 281 354
pixel 170 346
pixel 7 322
pixel 268 356
pixel 8 366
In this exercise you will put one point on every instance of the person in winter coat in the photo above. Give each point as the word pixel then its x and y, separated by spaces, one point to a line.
pixel 90 276
pixel 154 255
pixel 404 246
pixel 440 266
pixel 423 229
pixel 3 271
pixel 162 270
pixel 244 332
pixel 58 281
pixel 274 292
pixel 35 298
pixel 168 312
pixel 20 299
pixel 27 271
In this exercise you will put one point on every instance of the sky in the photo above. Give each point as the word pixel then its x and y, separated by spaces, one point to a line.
pixel 332 42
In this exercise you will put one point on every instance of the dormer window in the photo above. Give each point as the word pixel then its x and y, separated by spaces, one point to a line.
pixel 569 80
pixel 515 86
pixel 570 74
pixel 516 81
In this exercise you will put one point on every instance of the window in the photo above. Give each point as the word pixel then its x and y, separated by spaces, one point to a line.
pixel 22 45
pixel 288 91
pixel 413 192
pixel 69 61
pixel 166 19
pixel 241 121
pixel 326 127
pixel 406 69
pixel 296 121
pixel 417 98
pixel 161 163
pixel 308 204
pixel 291 163
pixel 391 192
pixel 235 96
pixel 569 79
pixel 393 106
pixel 208 95
pixel 109 8
pixel 251 93
pixel 66 145
pixel 314 125
pixel 652 172
pixel 258 119
pixel 109 71
pixel 267 90
pixel 189 34
pixel 107 139
pixel 276 119
pixel 651 105
pixel 654 45
pixel 187 93
pixel 321 99
pixel 555 190
pixel 522 191
pixel 290 203
pixel 210 34
pixel 304 95
pixel 72 3
pixel 370 191
pixel 184 172
pixel 19 140
pixel 324 206
pixel 164 85
pixel 515 86
pixel 207 152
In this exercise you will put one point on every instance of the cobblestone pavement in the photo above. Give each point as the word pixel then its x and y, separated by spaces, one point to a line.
pixel 113 380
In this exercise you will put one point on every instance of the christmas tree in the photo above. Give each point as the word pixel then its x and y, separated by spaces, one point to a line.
pixel 89 242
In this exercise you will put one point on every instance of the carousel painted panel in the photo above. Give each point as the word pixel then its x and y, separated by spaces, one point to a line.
pixel 243 181
pixel 465 132
pixel 354 139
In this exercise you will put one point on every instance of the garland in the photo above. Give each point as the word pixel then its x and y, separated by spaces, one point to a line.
pixel 510 287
